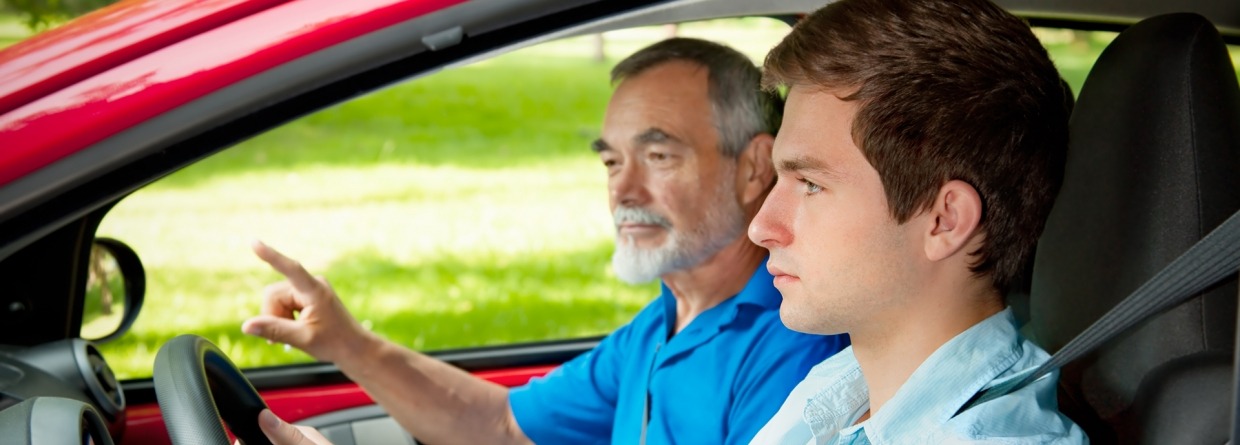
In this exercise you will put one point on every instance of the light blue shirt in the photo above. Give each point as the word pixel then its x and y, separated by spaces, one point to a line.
pixel 715 382
pixel 824 408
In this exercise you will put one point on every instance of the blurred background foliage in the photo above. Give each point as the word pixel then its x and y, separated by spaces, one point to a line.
pixel 41 14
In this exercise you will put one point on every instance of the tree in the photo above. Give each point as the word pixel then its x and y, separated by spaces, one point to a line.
pixel 39 14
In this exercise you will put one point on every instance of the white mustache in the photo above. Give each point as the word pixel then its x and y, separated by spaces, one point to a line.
pixel 638 215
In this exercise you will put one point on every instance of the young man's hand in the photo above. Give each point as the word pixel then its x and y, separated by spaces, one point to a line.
pixel 305 312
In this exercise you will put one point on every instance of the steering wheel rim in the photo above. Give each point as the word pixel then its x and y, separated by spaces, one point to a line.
pixel 197 386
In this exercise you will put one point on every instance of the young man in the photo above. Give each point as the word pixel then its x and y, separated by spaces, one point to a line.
pixel 922 146
pixel 686 143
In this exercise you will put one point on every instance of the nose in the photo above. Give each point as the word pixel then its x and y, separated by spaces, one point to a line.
pixel 628 186
pixel 770 228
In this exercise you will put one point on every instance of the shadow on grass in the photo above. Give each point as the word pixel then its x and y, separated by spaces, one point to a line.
pixel 438 303
pixel 492 115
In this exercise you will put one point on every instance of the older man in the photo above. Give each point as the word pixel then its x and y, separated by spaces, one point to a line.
pixel 687 146
pixel 922 147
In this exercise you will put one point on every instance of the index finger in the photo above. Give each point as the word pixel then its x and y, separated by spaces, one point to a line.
pixel 290 268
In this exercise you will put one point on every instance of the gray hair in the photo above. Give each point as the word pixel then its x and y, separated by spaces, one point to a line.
pixel 741 108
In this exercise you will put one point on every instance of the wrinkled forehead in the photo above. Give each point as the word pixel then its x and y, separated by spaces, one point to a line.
pixel 671 96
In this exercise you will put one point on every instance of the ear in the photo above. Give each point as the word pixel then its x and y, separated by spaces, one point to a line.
pixel 754 171
pixel 955 219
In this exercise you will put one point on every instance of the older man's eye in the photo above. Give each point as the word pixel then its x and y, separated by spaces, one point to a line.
pixel 656 156
pixel 810 187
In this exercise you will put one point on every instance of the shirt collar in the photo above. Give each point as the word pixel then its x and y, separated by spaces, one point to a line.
pixel 964 365
pixel 758 291
pixel 842 392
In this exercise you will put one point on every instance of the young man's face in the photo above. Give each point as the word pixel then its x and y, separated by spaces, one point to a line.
pixel 672 191
pixel 839 258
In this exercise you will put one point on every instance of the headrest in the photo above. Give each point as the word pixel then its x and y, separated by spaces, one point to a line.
pixel 1153 165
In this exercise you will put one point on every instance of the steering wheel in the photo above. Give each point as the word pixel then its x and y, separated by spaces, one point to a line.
pixel 197 386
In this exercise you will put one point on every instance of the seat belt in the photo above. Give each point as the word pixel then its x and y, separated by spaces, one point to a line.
pixel 1215 257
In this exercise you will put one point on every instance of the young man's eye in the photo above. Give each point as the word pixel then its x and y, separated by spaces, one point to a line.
pixel 810 187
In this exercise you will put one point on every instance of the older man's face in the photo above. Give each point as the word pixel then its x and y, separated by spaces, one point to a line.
pixel 672 191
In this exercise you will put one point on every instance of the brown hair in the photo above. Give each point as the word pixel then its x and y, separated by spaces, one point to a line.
pixel 948 90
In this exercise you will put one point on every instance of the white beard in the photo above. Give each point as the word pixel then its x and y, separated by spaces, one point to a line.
pixel 683 248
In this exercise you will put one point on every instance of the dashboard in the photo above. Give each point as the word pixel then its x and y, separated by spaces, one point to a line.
pixel 59 392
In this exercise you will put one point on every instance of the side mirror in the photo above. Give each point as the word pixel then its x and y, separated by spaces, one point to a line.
pixel 114 290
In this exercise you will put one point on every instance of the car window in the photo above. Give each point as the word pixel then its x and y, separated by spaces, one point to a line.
pixel 460 209
pixel 455 210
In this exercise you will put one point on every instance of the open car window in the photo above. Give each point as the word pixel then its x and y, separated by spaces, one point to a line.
pixel 455 210
pixel 460 209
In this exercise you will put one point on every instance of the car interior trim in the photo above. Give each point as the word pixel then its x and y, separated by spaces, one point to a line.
pixel 477 359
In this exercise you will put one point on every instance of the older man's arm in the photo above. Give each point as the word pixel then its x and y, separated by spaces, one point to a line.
pixel 435 401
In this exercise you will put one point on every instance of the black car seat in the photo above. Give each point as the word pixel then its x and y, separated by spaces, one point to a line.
pixel 1153 165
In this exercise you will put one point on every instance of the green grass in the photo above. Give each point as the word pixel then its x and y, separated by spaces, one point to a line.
pixel 12 30
pixel 1074 52
pixel 488 256
pixel 437 303
pixel 464 119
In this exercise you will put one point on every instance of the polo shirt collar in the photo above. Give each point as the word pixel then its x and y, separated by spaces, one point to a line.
pixel 758 292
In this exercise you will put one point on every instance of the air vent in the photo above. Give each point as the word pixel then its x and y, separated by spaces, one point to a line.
pixel 104 387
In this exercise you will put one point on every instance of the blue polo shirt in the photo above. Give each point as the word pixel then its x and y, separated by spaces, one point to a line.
pixel 715 382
